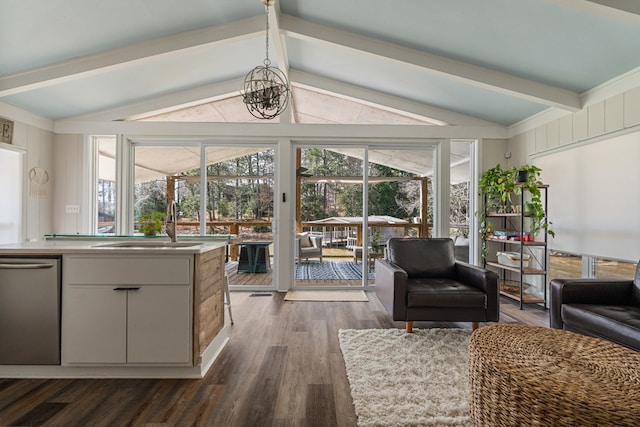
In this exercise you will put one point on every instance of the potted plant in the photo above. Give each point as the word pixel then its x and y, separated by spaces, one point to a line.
pixel 375 242
pixel 497 185
pixel 151 223
pixel 533 208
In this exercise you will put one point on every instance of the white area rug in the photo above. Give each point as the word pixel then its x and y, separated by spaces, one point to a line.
pixel 400 379
pixel 326 296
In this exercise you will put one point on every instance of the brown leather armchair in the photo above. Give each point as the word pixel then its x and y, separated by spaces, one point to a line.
pixel 601 308
pixel 421 280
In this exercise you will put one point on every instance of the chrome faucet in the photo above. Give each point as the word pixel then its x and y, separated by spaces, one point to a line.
pixel 170 223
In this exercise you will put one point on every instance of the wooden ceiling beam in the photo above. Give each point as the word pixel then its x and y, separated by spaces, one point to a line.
pixel 436 115
pixel 446 67
pixel 619 10
pixel 121 57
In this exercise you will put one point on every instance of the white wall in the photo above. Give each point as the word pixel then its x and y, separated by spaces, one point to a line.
pixel 11 196
pixel 493 152
pixel 69 183
pixel 590 160
pixel 38 143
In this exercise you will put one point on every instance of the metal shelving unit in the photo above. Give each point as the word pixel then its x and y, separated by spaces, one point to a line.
pixel 515 223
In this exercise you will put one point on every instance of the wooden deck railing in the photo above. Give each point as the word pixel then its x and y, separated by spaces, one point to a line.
pixel 238 227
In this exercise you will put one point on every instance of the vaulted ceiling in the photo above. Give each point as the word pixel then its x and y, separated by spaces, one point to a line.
pixel 468 62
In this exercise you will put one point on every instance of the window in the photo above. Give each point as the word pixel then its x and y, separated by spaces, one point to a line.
pixel 106 189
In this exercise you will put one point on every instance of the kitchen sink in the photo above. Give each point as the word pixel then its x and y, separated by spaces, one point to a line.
pixel 149 245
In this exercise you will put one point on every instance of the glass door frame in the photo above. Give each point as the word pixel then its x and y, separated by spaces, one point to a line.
pixel 434 146
pixel 325 145
pixel 284 183
pixel 266 145
pixel 125 175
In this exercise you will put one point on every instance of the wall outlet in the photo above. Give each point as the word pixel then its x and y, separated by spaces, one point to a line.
pixel 72 209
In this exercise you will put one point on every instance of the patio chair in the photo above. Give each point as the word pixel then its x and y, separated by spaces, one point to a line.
pixel 308 246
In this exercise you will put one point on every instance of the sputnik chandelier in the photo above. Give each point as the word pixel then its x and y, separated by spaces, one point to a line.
pixel 266 89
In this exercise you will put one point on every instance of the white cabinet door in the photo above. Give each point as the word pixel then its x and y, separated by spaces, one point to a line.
pixel 127 309
pixel 159 325
pixel 94 325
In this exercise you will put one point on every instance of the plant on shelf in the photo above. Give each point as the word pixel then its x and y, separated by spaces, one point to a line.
pixel 533 208
pixel 375 242
pixel 151 223
pixel 498 185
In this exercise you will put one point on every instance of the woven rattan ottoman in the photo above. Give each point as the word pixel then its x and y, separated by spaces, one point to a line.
pixel 534 376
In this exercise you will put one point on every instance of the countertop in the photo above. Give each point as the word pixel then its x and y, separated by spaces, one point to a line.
pixel 102 246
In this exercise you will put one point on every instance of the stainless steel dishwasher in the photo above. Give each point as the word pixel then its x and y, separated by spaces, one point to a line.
pixel 30 311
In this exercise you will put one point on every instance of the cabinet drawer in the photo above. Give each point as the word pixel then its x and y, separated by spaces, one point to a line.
pixel 127 270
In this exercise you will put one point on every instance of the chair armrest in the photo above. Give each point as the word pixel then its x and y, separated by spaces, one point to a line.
pixel 483 279
pixel 587 291
pixel 477 277
pixel 391 288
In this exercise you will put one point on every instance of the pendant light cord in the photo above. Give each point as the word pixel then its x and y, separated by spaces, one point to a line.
pixel 267 62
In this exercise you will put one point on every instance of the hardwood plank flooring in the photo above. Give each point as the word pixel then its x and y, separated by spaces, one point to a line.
pixel 282 367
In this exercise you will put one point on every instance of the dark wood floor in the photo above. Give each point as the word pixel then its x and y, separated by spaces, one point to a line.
pixel 282 367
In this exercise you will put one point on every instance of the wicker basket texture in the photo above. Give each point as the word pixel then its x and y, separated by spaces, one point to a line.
pixel 534 376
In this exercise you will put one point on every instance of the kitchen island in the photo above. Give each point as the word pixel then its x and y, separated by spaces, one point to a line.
pixel 133 307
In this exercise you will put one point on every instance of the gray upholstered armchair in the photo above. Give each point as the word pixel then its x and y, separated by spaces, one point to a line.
pixel 421 280
pixel 308 246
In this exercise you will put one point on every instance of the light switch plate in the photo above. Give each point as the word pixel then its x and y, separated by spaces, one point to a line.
pixel 73 208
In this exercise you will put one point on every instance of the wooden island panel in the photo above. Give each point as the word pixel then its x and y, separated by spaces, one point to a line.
pixel 208 299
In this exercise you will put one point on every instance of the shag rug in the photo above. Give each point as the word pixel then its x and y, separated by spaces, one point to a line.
pixel 329 270
pixel 400 379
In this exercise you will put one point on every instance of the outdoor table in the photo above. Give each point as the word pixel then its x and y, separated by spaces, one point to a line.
pixel 254 257
pixel 357 254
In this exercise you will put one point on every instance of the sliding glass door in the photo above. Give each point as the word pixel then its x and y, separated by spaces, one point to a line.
pixel 162 175
pixel 232 200
pixel 342 230
pixel 399 198
pixel 461 190
pixel 349 201
pixel 328 218
pixel 239 203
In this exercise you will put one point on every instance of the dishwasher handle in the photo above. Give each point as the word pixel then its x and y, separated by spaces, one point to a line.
pixel 25 266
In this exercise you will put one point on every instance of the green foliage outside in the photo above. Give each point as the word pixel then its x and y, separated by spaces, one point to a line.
pixel 151 223
pixel 326 199
pixel 247 191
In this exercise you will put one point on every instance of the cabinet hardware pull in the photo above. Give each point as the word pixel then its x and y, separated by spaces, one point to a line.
pixel 18 266
pixel 127 289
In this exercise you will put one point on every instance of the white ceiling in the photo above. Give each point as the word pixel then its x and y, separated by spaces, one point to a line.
pixel 454 61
